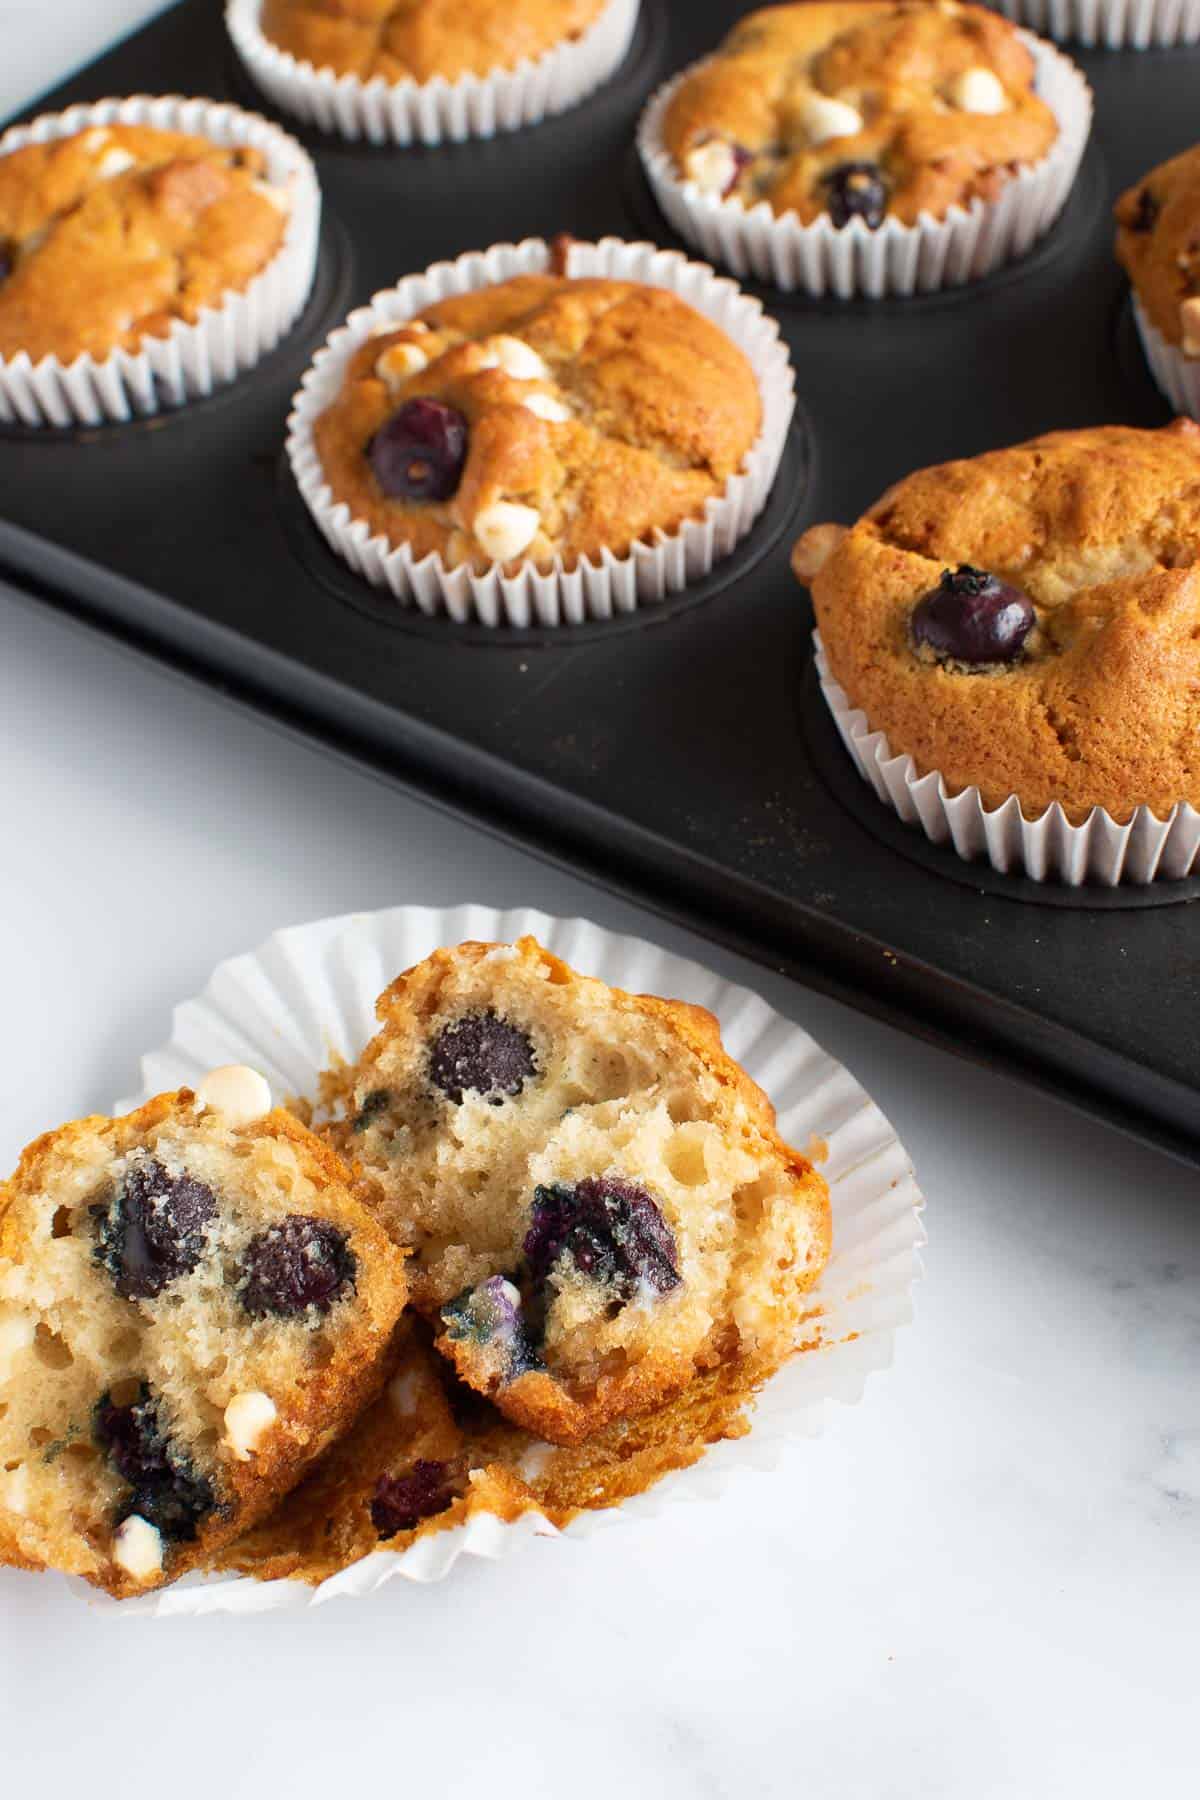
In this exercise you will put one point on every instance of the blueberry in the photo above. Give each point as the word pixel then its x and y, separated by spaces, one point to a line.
pixel 973 617
pixel 402 1501
pixel 418 454
pixel 153 1229
pixel 374 1103
pixel 856 190
pixel 611 1229
pixel 166 1490
pixel 742 158
pixel 300 1262
pixel 480 1054
pixel 1145 216
pixel 492 1314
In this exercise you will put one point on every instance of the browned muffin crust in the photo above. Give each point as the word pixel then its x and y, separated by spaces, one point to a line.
pixel 414 40
pixel 1100 529
pixel 935 102
pixel 433 1446
pixel 109 236
pixel 1158 246
pixel 603 410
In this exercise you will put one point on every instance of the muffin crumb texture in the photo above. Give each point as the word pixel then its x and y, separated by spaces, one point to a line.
pixel 1028 621
pixel 600 1208
pixel 431 1454
pixel 109 236
pixel 190 1309
pixel 403 40
pixel 861 110
pixel 537 419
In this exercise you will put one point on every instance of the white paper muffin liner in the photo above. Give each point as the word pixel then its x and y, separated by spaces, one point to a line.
pixel 437 111
pixel 1109 24
pixel 652 569
pixel 896 259
pixel 1048 848
pixel 309 994
pixel 1177 375
pixel 226 340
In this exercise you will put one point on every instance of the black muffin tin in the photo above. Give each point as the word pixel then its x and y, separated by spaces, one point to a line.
pixel 683 755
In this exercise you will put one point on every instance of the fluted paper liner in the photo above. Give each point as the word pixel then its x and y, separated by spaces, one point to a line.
pixel 653 569
pixel 896 259
pixel 192 359
pixel 437 111
pixel 1109 24
pixel 309 994
pixel 1177 375
pixel 1048 848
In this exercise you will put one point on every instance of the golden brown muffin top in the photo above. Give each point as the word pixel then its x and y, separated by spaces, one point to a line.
pixel 108 236
pixel 414 40
pixel 569 416
pixel 1158 245
pixel 861 109
pixel 1100 530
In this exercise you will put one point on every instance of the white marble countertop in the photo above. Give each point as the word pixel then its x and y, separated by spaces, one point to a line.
pixel 983 1581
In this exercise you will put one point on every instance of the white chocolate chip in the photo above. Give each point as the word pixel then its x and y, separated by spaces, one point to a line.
pixel 547 407
pixel 115 162
pixel 535 1461
pixel 821 117
pixel 813 550
pixel 1189 321
pixel 95 139
pixel 712 166
pixel 239 1094
pixel 405 1391
pixel 397 364
pixel 17 1332
pixel 248 1418
pixel 138 1549
pixel 505 529
pixel 14 1490
pixel 514 357
pixel 977 91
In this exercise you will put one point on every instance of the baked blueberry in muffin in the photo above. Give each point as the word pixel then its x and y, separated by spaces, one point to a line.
pixel 544 417
pixel 395 40
pixel 1028 621
pixel 109 236
pixel 1158 245
pixel 430 1454
pixel 861 110
pixel 599 1205
pixel 191 1305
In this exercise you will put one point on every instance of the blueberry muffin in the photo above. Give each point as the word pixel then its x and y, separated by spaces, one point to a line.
pixel 191 1306
pixel 431 1454
pixel 599 1205
pixel 399 40
pixel 542 417
pixel 110 236
pixel 1158 245
pixel 1028 622
pixel 861 110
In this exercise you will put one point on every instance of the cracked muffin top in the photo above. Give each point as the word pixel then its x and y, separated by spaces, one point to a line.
pixel 1028 621
pixel 1158 245
pixel 414 40
pixel 110 235
pixel 191 1305
pixel 861 110
pixel 541 417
